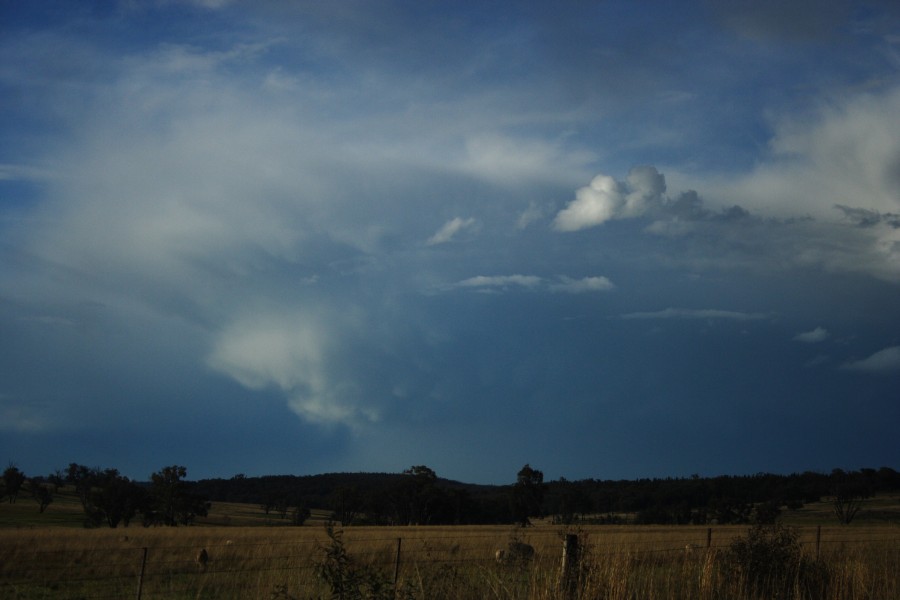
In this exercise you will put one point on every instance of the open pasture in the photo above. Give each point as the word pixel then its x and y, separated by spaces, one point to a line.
pixel 418 562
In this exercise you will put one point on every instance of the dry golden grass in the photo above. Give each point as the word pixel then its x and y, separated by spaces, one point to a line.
pixel 619 562
pixel 252 555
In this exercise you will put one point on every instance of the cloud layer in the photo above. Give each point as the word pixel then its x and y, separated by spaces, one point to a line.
pixel 396 234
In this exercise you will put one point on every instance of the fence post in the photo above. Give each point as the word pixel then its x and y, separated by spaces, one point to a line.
pixel 570 566
pixel 709 538
pixel 397 563
pixel 140 588
pixel 818 539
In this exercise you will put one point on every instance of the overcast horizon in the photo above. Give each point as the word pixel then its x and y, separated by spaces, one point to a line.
pixel 608 240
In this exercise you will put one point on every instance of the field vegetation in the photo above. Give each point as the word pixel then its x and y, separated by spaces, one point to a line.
pixel 250 553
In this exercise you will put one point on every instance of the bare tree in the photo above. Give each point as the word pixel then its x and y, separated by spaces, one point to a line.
pixel 41 494
pixel 849 490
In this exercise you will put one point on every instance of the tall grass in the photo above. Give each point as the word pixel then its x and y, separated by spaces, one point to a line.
pixel 285 563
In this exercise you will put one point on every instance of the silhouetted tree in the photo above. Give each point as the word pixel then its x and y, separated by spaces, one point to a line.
pixel 527 495
pixel 171 503
pixel 117 499
pixel 57 478
pixel 300 515
pixel 83 479
pixel 420 493
pixel 346 504
pixel 13 480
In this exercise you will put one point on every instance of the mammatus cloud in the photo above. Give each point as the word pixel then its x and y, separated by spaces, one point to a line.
pixel 449 229
pixel 883 361
pixel 605 199
pixel 687 313
pixel 819 334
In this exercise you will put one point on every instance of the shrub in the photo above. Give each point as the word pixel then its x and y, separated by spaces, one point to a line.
pixel 770 563
pixel 348 579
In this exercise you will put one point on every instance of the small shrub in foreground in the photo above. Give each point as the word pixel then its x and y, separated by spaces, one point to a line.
pixel 769 562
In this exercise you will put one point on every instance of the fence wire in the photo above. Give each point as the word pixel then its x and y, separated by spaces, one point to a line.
pixel 174 571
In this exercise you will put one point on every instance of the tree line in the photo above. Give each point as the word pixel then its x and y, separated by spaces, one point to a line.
pixel 109 498
pixel 417 496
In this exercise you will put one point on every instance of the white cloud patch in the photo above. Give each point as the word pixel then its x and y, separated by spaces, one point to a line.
pixel 586 284
pixel 819 334
pixel 883 361
pixel 847 153
pixel 839 169
pixel 520 161
pixel 689 313
pixel 563 284
pixel 529 215
pixel 450 229
pixel 292 354
pixel 500 281
pixel 605 199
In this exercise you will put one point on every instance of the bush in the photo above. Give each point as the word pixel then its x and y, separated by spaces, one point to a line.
pixel 348 579
pixel 770 563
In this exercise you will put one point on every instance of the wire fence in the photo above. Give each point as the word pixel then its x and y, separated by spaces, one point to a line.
pixel 256 569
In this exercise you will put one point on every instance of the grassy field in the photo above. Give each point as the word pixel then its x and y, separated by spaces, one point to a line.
pixel 249 556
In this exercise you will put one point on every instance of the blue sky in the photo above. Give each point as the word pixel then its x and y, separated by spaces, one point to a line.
pixel 608 239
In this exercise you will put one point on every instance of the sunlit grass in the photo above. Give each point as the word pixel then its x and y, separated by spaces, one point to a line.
pixel 254 555
pixel 435 562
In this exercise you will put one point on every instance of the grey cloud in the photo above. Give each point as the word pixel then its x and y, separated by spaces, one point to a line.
pixel 564 284
pixel 862 217
pixel 772 20
pixel 450 229
pixel 501 281
pixel 586 284
pixel 529 215
pixel 689 313
pixel 883 361
pixel 819 334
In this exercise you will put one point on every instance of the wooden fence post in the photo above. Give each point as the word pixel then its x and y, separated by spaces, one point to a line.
pixel 397 563
pixel 709 538
pixel 570 566
pixel 140 587
pixel 818 539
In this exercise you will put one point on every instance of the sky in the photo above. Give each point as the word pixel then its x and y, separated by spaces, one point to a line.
pixel 610 239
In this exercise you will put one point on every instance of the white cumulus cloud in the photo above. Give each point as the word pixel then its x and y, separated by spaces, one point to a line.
pixel 605 199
